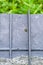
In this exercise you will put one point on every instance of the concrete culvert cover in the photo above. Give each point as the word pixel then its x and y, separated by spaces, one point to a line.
pixel 21 60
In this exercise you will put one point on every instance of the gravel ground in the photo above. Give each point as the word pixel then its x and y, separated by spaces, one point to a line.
pixel 22 60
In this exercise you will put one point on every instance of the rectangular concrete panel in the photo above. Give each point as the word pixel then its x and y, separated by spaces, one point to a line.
pixel 37 53
pixel 4 31
pixel 20 32
pixel 19 53
pixel 37 31
pixel 4 54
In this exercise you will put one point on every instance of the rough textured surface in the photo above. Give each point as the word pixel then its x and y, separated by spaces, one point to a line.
pixel 37 61
pixel 23 60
